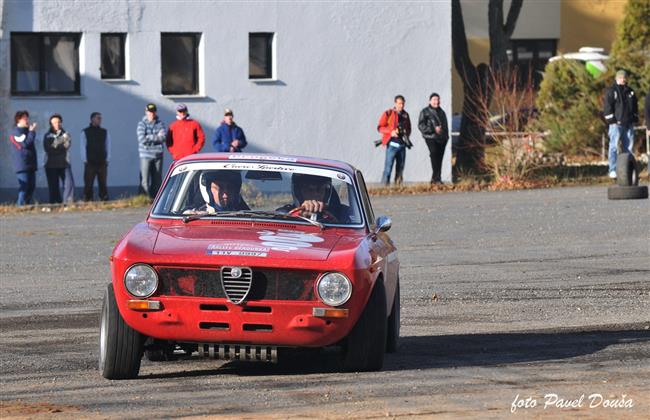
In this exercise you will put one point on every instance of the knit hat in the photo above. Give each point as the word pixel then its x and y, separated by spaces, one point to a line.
pixel 151 108
pixel 227 111
pixel 181 108
pixel 621 73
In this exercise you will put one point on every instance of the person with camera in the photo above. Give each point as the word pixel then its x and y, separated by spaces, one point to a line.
pixel 56 143
pixel 432 123
pixel 395 127
pixel 22 138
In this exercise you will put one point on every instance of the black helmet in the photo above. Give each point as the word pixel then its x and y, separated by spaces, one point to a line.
pixel 220 176
pixel 299 180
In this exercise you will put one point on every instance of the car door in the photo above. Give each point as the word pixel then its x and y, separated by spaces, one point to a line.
pixel 383 253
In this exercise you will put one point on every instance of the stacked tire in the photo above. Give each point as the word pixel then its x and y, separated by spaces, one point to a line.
pixel 627 180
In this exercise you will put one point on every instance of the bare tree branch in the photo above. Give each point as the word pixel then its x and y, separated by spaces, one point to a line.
pixel 462 60
pixel 513 15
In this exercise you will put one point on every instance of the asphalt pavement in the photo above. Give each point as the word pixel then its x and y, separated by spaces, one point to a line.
pixel 509 300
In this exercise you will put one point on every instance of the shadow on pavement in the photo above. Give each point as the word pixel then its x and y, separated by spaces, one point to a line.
pixel 443 351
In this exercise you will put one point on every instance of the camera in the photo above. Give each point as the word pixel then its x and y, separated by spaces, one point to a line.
pixel 401 133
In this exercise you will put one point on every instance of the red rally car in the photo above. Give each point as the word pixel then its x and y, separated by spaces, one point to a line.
pixel 242 255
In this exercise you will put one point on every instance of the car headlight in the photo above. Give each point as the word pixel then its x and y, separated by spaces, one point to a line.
pixel 334 289
pixel 141 280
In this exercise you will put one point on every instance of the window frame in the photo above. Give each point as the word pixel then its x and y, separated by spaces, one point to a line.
pixel 196 85
pixel 532 45
pixel 41 64
pixel 123 53
pixel 272 57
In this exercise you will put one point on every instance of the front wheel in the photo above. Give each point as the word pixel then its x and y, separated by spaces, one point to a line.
pixel 364 347
pixel 120 346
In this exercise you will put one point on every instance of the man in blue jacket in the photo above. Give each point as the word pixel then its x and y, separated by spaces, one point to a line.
pixel 22 138
pixel 228 137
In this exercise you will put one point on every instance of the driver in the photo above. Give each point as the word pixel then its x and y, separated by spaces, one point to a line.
pixel 315 195
pixel 221 191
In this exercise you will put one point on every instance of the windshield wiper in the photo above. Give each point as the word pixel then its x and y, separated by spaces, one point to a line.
pixel 189 217
pixel 271 214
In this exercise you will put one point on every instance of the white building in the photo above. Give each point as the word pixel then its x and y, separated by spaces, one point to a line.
pixel 302 78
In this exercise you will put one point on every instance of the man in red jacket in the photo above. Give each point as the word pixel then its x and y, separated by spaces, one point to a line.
pixel 185 135
pixel 395 128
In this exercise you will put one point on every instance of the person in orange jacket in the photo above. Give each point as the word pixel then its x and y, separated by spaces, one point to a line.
pixel 395 127
pixel 185 135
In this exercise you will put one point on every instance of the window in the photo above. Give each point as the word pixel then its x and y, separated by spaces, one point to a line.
pixel 530 57
pixel 45 63
pixel 180 63
pixel 260 55
pixel 113 56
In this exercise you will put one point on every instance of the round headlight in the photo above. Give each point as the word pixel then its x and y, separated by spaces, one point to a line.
pixel 141 280
pixel 334 289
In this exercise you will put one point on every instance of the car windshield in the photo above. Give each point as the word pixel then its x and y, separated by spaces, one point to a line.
pixel 282 191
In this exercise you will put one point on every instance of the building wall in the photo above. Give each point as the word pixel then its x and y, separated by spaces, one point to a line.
pixel 339 66
pixel 589 23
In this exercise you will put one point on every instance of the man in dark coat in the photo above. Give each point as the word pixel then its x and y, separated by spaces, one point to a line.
pixel 621 113
pixel 432 123
pixel 95 154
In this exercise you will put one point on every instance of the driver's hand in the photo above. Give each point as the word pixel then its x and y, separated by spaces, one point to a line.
pixel 312 206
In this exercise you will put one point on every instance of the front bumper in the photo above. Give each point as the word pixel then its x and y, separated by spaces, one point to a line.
pixel 210 320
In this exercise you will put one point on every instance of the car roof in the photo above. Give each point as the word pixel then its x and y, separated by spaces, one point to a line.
pixel 268 157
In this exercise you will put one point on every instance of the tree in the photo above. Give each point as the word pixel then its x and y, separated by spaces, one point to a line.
pixel 631 48
pixel 477 79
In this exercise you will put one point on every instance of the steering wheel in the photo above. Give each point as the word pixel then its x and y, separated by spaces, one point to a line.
pixel 325 214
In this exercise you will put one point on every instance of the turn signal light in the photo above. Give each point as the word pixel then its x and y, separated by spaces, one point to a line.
pixel 330 313
pixel 144 305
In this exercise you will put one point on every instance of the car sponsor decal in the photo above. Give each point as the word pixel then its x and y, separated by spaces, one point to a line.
pixel 237 250
pixel 268 167
pixel 287 240
pixel 239 156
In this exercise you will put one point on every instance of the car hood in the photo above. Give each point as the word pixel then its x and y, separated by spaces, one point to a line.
pixel 234 241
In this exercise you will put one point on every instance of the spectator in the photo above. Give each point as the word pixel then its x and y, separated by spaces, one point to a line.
pixel 56 143
pixel 22 137
pixel 432 123
pixel 151 137
pixel 228 137
pixel 646 105
pixel 185 135
pixel 394 124
pixel 95 154
pixel 621 113
pixel 647 125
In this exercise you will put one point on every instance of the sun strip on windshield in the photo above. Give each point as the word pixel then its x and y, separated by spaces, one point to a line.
pixel 265 167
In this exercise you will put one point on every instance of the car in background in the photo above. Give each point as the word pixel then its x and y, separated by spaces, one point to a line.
pixel 228 264
pixel 593 58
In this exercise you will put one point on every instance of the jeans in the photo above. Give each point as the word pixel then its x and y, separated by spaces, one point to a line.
pixel 436 153
pixel 68 186
pixel 151 175
pixel 626 135
pixel 26 185
pixel 397 155
pixel 92 170
pixel 55 176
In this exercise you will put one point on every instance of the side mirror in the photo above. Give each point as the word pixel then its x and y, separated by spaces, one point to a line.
pixel 383 224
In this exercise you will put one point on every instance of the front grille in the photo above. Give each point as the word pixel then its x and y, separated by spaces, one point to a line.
pixel 236 283
pixel 267 283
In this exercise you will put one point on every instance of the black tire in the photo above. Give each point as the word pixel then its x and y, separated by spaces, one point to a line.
pixel 120 346
pixel 364 347
pixel 626 170
pixel 392 336
pixel 632 192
